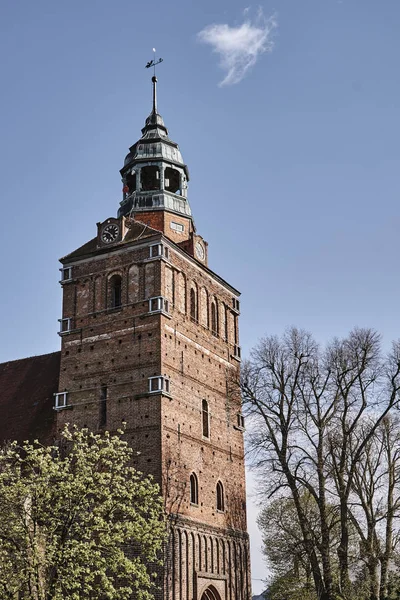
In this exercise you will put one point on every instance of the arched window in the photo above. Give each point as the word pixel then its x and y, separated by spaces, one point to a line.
pixel 220 497
pixel 130 183
pixel 193 304
pixel 205 419
pixel 194 489
pixel 214 318
pixel 150 178
pixel 115 291
pixel 172 180
pixel 210 594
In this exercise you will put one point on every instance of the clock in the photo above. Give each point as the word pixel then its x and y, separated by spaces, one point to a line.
pixel 109 233
pixel 199 250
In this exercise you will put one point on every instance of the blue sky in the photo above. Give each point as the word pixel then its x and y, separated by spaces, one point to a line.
pixel 294 161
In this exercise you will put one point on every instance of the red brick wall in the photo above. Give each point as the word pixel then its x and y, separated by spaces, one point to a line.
pixel 121 348
pixel 161 220
pixel 199 364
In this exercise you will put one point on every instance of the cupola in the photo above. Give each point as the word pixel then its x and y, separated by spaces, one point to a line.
pixel 154 176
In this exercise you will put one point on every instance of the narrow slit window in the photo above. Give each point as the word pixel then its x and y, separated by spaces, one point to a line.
pixel 205 419
pixel 194 489
pixel 193 304
pixel 214 319
pixel 103 406
pixel 116 291
pixel 235 329
pixel 220 497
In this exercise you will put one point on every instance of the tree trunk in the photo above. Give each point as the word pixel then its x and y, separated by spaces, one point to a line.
pixel 388 551
pixel 343 549
pixel 322 593
pixel 373 578
pixel 325 547
pixel 383 591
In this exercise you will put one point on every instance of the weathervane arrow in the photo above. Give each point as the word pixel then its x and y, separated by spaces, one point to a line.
pixel 154 62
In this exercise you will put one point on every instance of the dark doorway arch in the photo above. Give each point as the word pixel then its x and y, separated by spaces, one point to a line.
pixel 210 594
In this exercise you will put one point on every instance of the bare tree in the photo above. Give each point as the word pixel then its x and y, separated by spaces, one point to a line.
pixel 364 384
pixel 283 388
pixel 308 412
pixel 284 549
pixel 377 496
pixel 391 444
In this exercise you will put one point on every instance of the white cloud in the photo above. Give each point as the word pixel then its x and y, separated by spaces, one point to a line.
pixel 239 47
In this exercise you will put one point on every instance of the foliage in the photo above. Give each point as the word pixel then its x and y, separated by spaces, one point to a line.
pixel 282 538
pixel 77 521
pixel 288 587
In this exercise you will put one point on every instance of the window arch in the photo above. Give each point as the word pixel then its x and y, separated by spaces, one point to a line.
pixel 194 489
pixel 211 594
pixel 172 180
pixel 193 304
pixel 130 183
pixel 115 291
pixel 220 497
pixel 205 417
pixel 214 318
pixel 150 178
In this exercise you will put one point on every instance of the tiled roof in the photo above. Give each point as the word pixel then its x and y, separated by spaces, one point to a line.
pixel 26 398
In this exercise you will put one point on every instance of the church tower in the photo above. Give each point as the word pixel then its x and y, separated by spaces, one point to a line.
pixel 150 342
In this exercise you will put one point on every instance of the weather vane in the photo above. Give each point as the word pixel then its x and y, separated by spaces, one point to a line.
pixel 154 62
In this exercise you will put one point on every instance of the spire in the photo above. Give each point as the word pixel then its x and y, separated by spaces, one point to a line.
pixel 154 120
pixel 154 80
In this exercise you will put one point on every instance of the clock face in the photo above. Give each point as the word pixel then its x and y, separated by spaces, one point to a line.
pixel 109 233
pixel 199 249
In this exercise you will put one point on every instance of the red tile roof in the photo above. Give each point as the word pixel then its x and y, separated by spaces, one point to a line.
pixel 26 398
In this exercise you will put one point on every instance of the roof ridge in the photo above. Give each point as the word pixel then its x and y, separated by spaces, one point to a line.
pixel 15 360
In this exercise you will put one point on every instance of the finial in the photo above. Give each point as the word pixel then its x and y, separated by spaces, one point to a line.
pixel 153 63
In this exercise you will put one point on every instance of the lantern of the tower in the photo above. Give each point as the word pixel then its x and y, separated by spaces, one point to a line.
pixel 154 176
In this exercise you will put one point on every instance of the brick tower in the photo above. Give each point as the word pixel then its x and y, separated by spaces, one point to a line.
pixel 149 341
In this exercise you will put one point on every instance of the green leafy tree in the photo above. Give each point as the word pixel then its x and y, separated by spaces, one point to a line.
pixel 284 550
pixel 77 521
